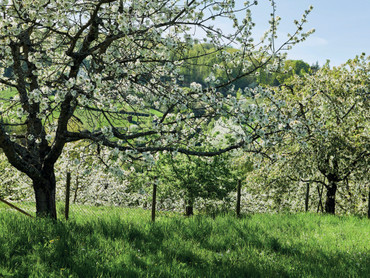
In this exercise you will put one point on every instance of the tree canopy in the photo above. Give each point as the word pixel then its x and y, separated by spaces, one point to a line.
pixel 109 71
pixel 328 142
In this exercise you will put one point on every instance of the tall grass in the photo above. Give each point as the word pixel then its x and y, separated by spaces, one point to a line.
pixel 124 243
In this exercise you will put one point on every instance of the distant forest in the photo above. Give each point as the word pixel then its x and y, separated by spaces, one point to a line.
pixel 199 64
pixel 200 67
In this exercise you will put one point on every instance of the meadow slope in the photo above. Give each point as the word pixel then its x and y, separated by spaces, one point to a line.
pixel 115 242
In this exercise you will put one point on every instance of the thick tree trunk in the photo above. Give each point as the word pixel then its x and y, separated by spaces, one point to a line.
pixel 330 198
pixel 45 197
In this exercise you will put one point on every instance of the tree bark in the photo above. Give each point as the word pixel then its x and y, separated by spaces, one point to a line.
pixel 45 197
pixel 189 207
pixel 189 210
pixel 330 198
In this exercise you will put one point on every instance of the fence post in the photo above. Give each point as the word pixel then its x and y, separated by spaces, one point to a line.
pixel 320 198
pixel 77 184
pixel 154 199
pixel 68 193
pixel 238 198
pixel 307 196
pixel 368 205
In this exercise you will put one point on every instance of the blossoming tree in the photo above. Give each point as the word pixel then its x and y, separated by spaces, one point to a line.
pixel 329 138
pixel 107 71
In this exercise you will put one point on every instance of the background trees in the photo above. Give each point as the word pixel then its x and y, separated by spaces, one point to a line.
pixel 197 177
pixel 329 138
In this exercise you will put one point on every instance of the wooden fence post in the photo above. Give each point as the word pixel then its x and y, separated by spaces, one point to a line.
pixel 307 196
pixel 368 205
pixel 68 193
pixel 77 184
pixel 154 199
pixel 238 198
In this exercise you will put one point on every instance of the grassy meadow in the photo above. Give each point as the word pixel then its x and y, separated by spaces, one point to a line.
pixel 116 242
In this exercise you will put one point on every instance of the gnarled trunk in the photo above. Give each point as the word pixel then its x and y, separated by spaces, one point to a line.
pixel 330 198
pixel 45 196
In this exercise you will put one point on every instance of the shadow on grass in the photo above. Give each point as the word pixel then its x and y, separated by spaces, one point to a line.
pixel 196 247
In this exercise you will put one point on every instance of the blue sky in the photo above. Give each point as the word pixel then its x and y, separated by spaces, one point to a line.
pixel 342 28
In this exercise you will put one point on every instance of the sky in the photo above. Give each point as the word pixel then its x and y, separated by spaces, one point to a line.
pixel 342 28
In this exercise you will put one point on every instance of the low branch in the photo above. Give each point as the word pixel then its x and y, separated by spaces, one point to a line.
pixel 308 180
pixel 99 138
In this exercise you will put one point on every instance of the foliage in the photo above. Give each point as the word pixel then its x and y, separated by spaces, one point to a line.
pixel 196 177
pixel 328 142
pixel 206 62
pixel 292 68
pixel 282 73
pixel 14 185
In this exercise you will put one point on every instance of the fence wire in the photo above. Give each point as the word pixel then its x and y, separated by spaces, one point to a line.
pixel 96 204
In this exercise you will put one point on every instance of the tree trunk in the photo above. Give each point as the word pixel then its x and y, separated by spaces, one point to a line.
pixel 189 210
pixel 330 198
pixel 45 197
pixel 189 205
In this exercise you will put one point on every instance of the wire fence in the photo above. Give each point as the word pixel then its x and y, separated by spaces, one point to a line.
pixel 70 205
pixel 71 201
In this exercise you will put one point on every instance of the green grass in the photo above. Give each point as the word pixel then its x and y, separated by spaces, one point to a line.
pixel 7 93
pixel 116 242
pixel 99 121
